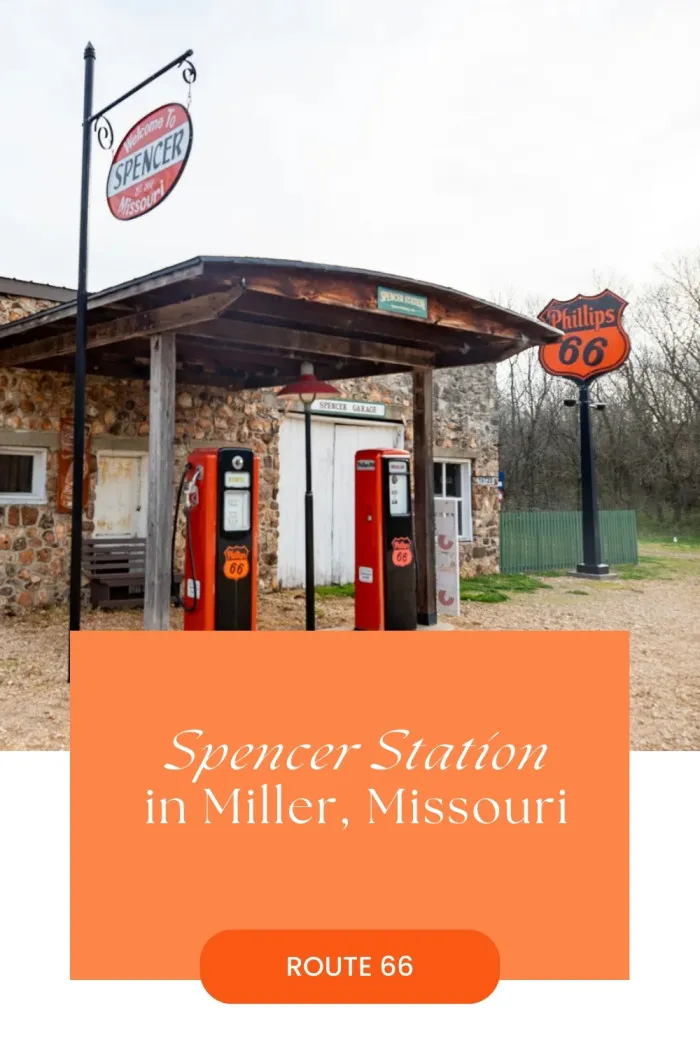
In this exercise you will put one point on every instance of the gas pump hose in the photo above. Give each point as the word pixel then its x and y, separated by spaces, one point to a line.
pixel 180 598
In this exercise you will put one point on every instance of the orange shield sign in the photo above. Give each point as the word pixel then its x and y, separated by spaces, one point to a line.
pixel 401 552
pixel 594 340
pixel 236 563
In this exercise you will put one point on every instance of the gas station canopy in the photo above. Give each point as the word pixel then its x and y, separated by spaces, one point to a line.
pixel 242 323
pixel 245 323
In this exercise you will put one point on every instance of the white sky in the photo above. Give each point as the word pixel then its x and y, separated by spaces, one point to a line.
pixel 509 148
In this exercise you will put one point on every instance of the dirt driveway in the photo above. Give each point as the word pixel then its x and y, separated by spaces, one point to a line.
pixel 661 609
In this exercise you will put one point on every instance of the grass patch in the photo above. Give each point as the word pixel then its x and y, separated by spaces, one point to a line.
pixel 497 587
pixel 662 566
pixel 336 590
pixel 665 540
pixel 650 530
pixel 648 568
pixel 494 588
pixel 488 597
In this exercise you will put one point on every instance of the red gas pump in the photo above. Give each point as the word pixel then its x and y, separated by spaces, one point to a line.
pixel 221 552
pixel 385 564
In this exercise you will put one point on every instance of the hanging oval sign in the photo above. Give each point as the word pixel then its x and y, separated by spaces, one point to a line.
pixel 150 160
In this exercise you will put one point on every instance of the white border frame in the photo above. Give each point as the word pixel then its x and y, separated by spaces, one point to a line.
pixel 466 498
pixel 38 493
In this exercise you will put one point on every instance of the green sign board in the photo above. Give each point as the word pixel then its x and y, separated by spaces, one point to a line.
pixel 394 301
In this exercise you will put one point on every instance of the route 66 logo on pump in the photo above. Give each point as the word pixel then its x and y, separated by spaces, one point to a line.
pixel 401 552
pixel 236 563
pixel 594 340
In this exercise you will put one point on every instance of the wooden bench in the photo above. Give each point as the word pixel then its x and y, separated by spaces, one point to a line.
pixel 116 570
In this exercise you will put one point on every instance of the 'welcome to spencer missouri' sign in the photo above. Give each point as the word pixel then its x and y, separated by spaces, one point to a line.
pixel 150 160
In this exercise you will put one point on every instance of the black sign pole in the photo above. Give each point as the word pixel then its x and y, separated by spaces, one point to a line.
pixel 80 353
pixel 592 559
pixel 309 527
pixel 105 138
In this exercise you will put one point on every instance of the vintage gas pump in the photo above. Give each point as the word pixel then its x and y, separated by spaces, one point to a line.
pixel 221 552
pixel 385 564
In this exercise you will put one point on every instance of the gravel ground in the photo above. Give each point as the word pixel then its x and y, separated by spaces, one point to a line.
pixel 662 614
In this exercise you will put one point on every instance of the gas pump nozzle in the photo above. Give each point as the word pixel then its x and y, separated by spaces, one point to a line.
pixel 191 489
pixel 191 494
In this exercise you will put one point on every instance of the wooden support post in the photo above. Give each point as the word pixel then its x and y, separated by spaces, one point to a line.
pixel 160 482
pixel 424 500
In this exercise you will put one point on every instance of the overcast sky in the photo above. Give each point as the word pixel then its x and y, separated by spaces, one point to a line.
pixel 509 148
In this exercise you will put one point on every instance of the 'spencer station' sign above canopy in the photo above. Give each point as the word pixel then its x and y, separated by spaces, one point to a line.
pixel 149 161
pixel 394 301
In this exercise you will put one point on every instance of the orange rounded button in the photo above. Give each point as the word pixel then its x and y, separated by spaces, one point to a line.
pixel 350 966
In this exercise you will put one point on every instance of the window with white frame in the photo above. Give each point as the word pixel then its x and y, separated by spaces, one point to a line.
pixel 22 474
pixel 453 479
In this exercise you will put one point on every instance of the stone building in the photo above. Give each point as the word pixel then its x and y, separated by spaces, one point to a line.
pixel 35 415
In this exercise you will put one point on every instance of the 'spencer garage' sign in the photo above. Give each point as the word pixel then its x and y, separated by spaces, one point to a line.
pixel 150 160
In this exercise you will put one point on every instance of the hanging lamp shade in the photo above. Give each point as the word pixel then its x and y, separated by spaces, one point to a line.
pixel 307 386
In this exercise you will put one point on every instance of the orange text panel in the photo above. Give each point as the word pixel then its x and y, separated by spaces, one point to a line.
pixel 447 781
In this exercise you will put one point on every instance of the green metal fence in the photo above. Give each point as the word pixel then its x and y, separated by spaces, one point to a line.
pixel 535 540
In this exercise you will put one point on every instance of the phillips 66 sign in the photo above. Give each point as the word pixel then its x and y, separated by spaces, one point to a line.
pixel 150 160
pixel 594 340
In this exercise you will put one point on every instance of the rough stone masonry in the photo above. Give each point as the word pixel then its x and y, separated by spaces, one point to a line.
pixel 35 539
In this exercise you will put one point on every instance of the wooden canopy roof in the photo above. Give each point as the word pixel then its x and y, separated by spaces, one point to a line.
pixel 248 323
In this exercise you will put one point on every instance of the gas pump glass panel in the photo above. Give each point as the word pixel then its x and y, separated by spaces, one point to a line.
pixel 398 489
pixel 236 511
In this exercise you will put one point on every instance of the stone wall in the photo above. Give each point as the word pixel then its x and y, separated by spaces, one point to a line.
pixel 32 541
pixel 35 540
pixel 466 404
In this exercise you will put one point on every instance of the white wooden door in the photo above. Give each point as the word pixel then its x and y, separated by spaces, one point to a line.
pixel 290 547
pixel 120 494
pixel 333 447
